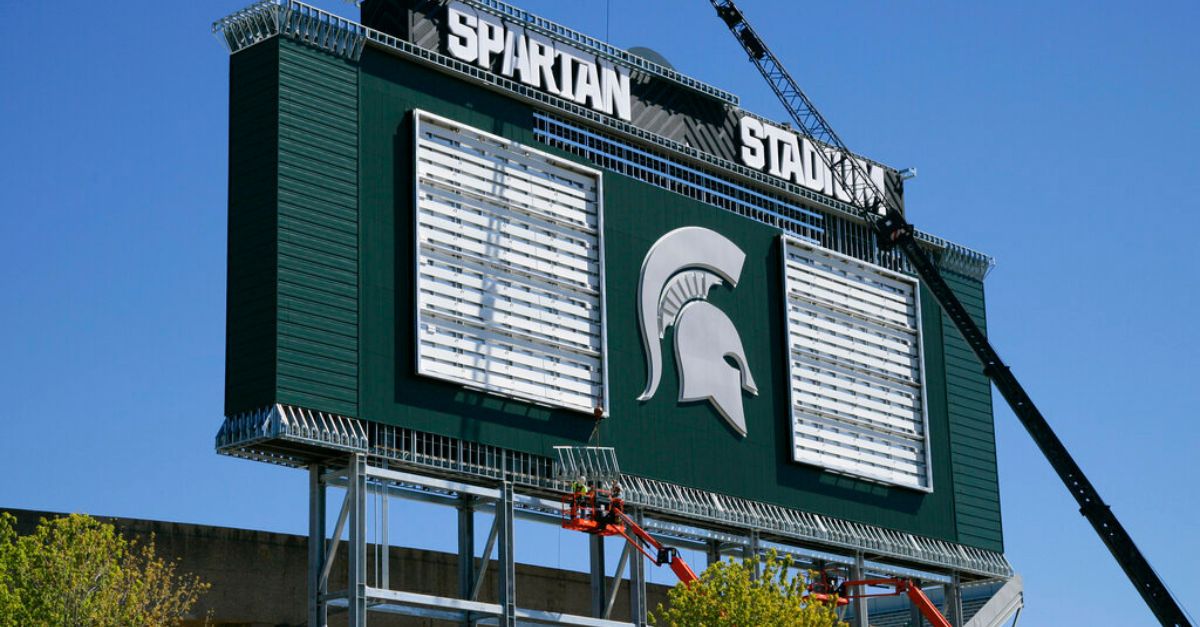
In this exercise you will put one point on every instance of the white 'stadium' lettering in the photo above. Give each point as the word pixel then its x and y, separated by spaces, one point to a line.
pixel 487 41
pixel 782 153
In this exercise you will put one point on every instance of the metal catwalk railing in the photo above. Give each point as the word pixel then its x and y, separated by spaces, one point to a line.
pixel 295 437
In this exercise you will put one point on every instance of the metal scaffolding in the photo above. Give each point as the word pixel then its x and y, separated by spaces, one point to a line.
pixel 373 464
pixel 367 586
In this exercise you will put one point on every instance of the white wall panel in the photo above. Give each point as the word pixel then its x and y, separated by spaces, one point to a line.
pixel 508 268
pixel 854 346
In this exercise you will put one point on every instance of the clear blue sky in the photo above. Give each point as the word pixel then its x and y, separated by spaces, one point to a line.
pixel 1058 137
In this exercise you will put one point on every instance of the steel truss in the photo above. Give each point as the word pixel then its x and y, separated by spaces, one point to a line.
pixel 369 460
pixel 369 589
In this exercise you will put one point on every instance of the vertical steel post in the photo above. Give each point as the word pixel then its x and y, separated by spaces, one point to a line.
pixel 914 613
pixel 356 589
pixel 637 579
pixel 714 551
pixel 466 550
pixel 860 604
pixel 750 551
pixel 954 608
pixel 507 563
pixel 317 616
pixel 385 539
pixel 596 561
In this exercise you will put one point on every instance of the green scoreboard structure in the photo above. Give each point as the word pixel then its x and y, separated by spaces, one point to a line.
pixel 462 236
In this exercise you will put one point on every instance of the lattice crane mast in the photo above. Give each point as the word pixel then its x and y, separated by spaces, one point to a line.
pixel 892 230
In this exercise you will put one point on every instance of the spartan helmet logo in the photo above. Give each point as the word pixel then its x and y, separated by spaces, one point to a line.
pixel 677 274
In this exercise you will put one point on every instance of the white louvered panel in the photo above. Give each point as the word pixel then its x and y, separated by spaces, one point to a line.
pixel 494 316
pixel 530 232
pixel 544 195
pixel 889 339
pixel 501 252
pixel 499 300
pixel 838 345
pixel 508 268
pixel 854 343
pixel 848 401
pixel 459 280
pixel 886 398
pixel 524 238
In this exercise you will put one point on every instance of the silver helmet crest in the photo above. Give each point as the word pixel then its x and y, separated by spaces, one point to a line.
pixel 677 274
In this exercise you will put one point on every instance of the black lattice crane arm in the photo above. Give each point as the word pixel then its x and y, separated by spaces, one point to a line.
pixel 892 230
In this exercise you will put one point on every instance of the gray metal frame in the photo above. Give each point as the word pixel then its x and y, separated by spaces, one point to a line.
pixel 367 548
pixel 687 514
pixel 369 590
pixel 369 459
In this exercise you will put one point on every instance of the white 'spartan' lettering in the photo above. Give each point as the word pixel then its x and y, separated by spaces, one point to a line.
pixel 487 41
pixel 782 153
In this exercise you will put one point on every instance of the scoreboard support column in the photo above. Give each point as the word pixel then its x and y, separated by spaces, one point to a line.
pixel 637 580
pixel 356 590
pixel 507 563
pixel 953 601
pixel 857 572
pixel 598 576
pixel 466 551
pixel 317 587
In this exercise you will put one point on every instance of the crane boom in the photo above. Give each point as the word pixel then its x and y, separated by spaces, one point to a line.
pixel 893 231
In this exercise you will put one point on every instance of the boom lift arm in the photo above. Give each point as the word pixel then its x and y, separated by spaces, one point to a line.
pixel 602 513
pixel 893 231
pixel 825 591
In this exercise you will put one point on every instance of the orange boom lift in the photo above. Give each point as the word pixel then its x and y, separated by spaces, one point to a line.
pixel 829 590
pixel 602 513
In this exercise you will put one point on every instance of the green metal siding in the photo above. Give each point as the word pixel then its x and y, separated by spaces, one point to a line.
pixel 293 230
pixel 250 321
pixel 390 390
pixel 321 304
pixel 684 443
pixel 972 430
pixel 318 230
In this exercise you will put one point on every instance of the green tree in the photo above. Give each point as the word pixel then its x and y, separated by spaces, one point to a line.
pixel 728 593
pixel 76 570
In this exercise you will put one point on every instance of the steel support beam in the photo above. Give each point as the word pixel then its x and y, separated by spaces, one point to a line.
pixel 598 576
pixel 637 579
pixel 466 551
pixel 485 559
pixel 361 480
pixel 507 560
pixel 356 579
pixel 317 586
pixel 860 603
pixel 914 613
pixel 713 551
pixel 444 608
pixel 954 608
pixel 616 580
pixel 751 550
pixel 385 569
pixel 338 529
